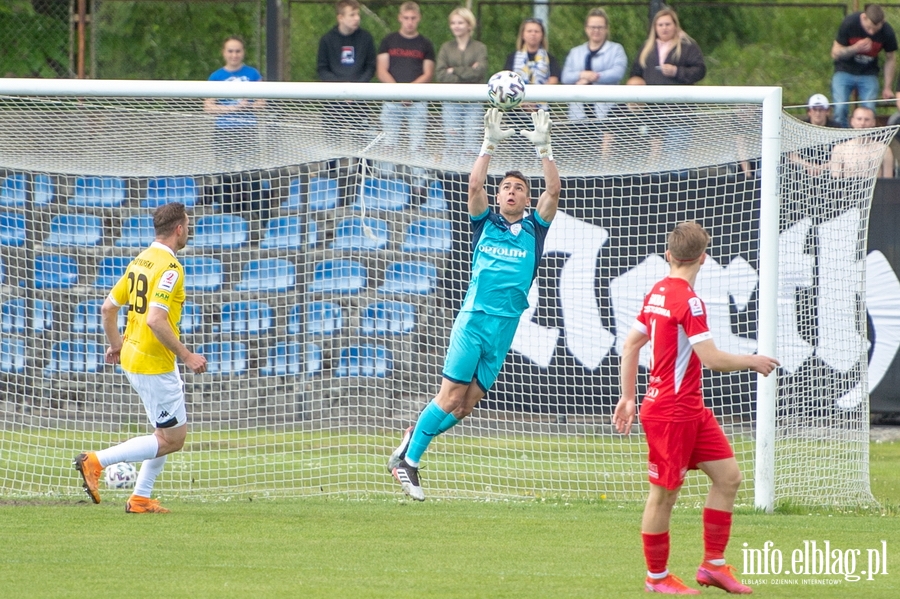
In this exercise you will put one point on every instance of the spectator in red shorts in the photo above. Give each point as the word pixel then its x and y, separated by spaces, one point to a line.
pixel 682 434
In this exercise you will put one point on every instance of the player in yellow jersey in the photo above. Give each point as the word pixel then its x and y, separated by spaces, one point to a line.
pixel 153 287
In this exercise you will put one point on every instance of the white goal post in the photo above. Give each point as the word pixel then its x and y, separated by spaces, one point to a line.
pixel 328 257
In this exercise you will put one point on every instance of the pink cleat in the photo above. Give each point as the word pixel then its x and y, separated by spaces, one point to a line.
pixel 670 585
pixel 709 575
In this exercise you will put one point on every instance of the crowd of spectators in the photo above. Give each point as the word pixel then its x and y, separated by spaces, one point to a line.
pixel 669 56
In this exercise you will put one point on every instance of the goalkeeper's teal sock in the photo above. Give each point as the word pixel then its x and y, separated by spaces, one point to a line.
pixel 427 428
pixel 449 422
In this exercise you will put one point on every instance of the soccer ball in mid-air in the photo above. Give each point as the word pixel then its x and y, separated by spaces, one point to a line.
pixel 120 476
pixel 506 90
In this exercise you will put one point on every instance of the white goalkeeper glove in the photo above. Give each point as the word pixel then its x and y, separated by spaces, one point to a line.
pixel 493 134
pixel 540 137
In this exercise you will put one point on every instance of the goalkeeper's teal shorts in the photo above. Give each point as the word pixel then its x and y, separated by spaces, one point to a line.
pixel 479 343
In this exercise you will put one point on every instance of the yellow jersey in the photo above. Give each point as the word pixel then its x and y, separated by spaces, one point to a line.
pixel 154 279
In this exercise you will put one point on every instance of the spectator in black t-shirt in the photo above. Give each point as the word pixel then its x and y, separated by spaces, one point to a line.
pixel 406 56
pixel 860 38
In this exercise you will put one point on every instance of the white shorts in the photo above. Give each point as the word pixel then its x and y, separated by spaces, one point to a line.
pixel 163 397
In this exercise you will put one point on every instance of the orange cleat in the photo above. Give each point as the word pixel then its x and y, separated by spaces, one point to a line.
pixel 709 575
pixel 89 467
pixel 143 505
pixel 670 585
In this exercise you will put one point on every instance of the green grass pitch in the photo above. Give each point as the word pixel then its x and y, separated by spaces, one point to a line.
pixel 386 546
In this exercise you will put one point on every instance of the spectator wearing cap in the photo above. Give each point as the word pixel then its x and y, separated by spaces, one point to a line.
pixel 814 160
pixel 859 40
pixel 817 112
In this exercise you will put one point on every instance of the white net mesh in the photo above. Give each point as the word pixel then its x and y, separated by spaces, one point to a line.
pixel 328 258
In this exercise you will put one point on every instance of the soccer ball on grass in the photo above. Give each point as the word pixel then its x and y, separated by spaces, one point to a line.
pixel 506 90
pixel 120 476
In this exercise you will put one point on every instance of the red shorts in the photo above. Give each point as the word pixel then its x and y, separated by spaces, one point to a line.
pixel 676 447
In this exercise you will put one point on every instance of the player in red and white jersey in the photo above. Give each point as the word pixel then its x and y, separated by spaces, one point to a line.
pixel 682 434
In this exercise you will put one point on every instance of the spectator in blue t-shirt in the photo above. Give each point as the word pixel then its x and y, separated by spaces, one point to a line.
pixel 235 136
pixel 234 113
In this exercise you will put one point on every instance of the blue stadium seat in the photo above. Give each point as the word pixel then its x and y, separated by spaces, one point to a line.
pixel 98 192
pixel 321 192
pixel 338 276
pixel 14 190
pixel 73 357
pixel 42 190
pixel 219 232
pixel 75 230
pixel 286 233
pixel 191 319
pixel 137 232
pixel 202 273
pixel 52 271
pixel 246 318
pixel 365 360
pixel 109 271
pixel 164 190
pixel 88 320
pixel 287 358
pixel 383 194
pixel 428 235
pixel 316 318
pixel 12 229
pixel 12 355
pixel 410 277
pixel 349 234
pixel 228 358
pixel 14 316
pixel 435 201
pixel 387 318
pixel 273 274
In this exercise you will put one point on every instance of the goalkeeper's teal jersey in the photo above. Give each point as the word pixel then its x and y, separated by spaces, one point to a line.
pixel 505 259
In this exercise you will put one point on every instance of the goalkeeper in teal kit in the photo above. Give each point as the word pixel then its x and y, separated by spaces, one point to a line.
pixel 507 246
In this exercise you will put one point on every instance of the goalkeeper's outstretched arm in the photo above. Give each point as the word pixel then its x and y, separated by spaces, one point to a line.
pixel 540 137
pixel 493 135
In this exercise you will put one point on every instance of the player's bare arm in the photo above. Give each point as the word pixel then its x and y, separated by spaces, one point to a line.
pixel 623 417
pixel 158 321
pixel 722 361
pixel 109 313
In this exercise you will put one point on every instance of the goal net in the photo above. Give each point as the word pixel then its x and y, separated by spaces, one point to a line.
pixel 330 251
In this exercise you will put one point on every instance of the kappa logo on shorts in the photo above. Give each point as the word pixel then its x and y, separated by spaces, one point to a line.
pixel 696 306
pixel 162 415
pixel 168 280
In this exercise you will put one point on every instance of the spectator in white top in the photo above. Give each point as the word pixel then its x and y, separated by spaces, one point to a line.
pixel 596 62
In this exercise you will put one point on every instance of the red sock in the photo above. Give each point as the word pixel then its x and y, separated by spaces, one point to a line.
pixel 716 530
pixel 656 551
